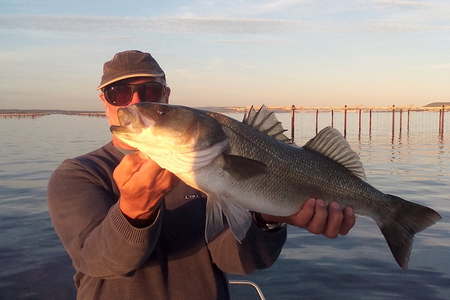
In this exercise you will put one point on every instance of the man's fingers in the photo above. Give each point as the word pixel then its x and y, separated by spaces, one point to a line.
pixel 334 222
pixel 130 163
pixel 166 180
pixel 348 221
pixel 318 221
pixel 305 214
pixel 150 168
pixel 137 171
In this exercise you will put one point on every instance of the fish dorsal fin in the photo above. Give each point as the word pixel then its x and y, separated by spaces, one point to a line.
pixel 330 142
pixel 265 121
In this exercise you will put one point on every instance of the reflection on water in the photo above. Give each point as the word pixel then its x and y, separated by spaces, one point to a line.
pixel 415 165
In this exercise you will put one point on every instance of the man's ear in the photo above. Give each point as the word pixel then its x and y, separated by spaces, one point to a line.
pixel 166 94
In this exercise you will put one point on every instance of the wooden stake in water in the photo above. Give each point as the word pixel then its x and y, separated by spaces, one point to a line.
pixel 317 121
pixel 393 122
pixel 345 121
pixel 359 132
pixel 407 126
pixel 443 119
pixel 441 128
pixel 370 122
pixel 332 118
pixel 292 123
pixel 401 118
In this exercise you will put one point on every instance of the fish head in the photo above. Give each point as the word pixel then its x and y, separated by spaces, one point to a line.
pixel 163 131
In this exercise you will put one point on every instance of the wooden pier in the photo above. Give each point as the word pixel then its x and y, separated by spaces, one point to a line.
pixel 397 122
pixel 396 119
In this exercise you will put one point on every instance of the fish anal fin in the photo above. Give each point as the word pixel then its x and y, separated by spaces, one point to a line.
pixel 243 168
pixel 332 144
pixel 214 218
pixel 238 218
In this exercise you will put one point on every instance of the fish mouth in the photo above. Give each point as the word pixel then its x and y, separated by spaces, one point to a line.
pixel 116 129
pixel 130 120
pixel 127 116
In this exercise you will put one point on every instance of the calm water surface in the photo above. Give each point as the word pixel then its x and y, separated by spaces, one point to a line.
pixel 414 165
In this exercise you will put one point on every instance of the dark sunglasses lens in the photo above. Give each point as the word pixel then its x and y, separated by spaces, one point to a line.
pixel 151 92
pixel 119 95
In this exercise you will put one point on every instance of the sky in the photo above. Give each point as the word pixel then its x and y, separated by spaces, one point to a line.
pixel 230 53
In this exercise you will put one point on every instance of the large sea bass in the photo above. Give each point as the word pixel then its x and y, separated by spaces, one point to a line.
pixel 249 166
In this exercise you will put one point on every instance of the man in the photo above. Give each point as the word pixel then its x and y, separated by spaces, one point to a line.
pixel 133 231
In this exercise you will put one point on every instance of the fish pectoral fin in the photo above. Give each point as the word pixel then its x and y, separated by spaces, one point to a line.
pixel 238 218
pixel 243 168
pixel 332 144
pixel 214 218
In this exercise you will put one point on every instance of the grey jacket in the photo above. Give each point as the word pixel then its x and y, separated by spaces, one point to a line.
pixel 166 260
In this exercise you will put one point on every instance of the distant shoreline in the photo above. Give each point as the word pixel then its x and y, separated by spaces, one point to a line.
pixel 231 109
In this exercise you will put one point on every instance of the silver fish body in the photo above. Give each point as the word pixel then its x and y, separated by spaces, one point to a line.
pixel 292 174
pixel 248 166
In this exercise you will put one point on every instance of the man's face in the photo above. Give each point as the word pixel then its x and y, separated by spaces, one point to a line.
pixel 111 110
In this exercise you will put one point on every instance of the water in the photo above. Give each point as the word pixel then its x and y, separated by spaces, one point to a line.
pixel 415 165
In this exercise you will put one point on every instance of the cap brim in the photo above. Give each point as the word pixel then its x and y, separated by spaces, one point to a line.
pixel 129 76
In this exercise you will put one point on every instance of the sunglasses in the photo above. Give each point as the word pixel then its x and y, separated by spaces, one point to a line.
pixel 121 94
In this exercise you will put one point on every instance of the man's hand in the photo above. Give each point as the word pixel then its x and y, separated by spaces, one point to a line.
pixel 142 184
pixel 319 218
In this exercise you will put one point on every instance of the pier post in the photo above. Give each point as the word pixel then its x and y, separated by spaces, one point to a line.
pixel 317 121
pixel 359 132
pixel 407 124
pixel 443 119
pixel 393 122
pixel 401 121
pixel 370 122
pixel 332 118
pixel 345 121
pixel 293 123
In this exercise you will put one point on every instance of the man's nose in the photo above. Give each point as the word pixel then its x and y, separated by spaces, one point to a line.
pixel 135 98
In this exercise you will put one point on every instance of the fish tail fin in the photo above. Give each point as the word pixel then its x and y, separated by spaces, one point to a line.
pixel 406 219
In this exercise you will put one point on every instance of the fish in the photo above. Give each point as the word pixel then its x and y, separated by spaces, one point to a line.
pixel 252 166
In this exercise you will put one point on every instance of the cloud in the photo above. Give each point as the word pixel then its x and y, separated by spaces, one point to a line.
pixel 225 8
pixel 166 24
pixel 441 66
pixel 274 6
pixel 411 16
pixel 253 41
pixel 316 9
pixel 124 27
pixel 402 3
pixel 398 26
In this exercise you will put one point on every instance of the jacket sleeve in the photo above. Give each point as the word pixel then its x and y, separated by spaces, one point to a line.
pixel 258 250
pixel 93 230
